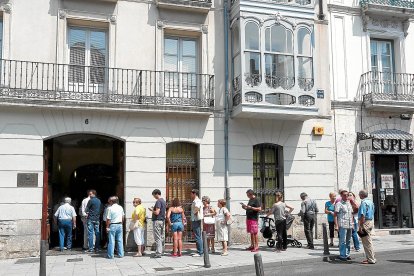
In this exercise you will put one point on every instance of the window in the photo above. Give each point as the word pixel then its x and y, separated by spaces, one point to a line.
pixel 180 65
pixel 279 57
pixel 87 59
pixel 267 172
pixel 236 59
pixel 1 39
pixel 252 54
pixel 305 61
pixel 382 65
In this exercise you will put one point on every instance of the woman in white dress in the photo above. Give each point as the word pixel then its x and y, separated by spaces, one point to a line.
pixel 223 215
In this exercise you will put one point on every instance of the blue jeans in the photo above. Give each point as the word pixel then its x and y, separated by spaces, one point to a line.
pixel 93 228
pixel 355 235
pixel 344 242
pixel 197 234
pixel 65 231
pixel 115 235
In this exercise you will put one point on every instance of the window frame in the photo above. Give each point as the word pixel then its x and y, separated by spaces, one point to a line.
pixel 305 83
pixel 250 78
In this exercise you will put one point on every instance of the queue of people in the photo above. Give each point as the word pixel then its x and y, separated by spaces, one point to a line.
pixel 345 215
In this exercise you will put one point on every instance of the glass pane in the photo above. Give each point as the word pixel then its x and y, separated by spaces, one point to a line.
pixel 236 66
pixel 77 38
pixel 252 63
pixel 236 40
pixel 1 39
pixel 305 67
pixel 284 65
pixel 278 39
pixel 385 48
pixel 189 64
pixel 304 42
pixel 252 36
pixel 171 46
pixel 267 39
pixel 189 48
pixel 386 63
pixel 170 63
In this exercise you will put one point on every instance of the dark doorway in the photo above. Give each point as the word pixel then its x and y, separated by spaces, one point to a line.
pixel 77 163
pixel 392 191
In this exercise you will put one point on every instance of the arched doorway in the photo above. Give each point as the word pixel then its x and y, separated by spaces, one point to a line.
pixel 77 163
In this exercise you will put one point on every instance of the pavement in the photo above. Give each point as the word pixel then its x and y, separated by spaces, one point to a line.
pixel 238 262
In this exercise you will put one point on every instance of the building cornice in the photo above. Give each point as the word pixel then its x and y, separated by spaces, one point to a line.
pixel 344 9
pixel 346 104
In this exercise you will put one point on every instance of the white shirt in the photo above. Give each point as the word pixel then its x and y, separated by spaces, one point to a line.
pixel 115 213
pixel 83 206
pixel 199 204
pixel 65 211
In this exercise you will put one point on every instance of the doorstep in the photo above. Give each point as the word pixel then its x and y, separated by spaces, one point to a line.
pixel 394 231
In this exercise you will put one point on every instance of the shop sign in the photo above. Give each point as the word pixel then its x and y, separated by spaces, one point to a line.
pixel 404 182
pixel 392 145
pixel 365 145
pixel 387 181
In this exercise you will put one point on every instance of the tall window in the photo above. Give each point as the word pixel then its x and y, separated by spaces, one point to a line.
pixel 382 65
pixel 180 64
pixel 1 38
pixel 87 57
pixel 267 172
pixel 236 59
pixel 305 61
pixel 252 54
pixel 279 57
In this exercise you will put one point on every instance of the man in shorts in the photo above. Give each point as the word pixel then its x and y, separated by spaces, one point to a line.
pixel 252 208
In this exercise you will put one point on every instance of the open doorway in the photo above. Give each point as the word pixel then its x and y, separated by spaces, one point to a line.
pixel 77 163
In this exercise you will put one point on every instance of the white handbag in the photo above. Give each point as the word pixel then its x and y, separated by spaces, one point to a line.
pixel 209 220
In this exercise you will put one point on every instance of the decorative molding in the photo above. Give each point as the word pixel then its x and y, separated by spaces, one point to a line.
pixel 62 14
pixel 160 24
pixel 204 29
pixel 365 20
pixel 7 8
pixel 279 18
pixel 405 26
pixel 112 19
pixel 344 9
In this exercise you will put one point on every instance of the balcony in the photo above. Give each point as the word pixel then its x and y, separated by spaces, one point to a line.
pixel 384 91
pixel 396 8
pixel 64 85
pixel 278 97
pixel 200 6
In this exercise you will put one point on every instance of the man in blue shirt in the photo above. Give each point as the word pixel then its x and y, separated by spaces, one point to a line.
pixel 93 211
pixel 366 224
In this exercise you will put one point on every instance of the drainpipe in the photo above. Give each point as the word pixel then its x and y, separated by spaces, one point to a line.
pixel 226 106
pixel 321 16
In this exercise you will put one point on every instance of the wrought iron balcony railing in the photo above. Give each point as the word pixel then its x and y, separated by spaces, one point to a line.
pixel 408 4
pixel 386 86
pixel 51 82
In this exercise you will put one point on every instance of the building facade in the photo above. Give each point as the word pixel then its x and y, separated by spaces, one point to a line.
pixel 128 96
pixel 372 85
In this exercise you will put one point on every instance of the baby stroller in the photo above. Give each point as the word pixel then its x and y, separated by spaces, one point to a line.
pixel 269 228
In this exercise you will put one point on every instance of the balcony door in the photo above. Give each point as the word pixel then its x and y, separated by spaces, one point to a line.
pixel 180 65
pixel 382 61
pixel 87 59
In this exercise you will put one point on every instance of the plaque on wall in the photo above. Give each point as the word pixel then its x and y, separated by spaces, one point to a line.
pixel 27 179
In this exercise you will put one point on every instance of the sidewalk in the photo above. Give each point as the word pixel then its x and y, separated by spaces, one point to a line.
pixel 81 264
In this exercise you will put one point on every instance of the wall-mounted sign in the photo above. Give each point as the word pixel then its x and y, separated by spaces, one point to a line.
pixel 387 181
pixel 320 93
pixel 404 181
pixel 387 145
pixel 27 180
pixel 365 145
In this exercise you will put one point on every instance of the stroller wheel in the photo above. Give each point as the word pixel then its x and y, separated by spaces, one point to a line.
pixel 270 242
pixel 298 244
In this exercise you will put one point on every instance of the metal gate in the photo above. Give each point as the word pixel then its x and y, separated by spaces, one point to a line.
pixel 182 177
pixel 267 172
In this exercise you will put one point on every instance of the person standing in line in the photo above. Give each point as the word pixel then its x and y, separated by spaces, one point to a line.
pixel 139 216
pixel 65 217
pixel 176 219
pixel 223 215
pixel 93 210
pixel 344 221
pixel 84 219
pixel 308 211
pixel 366 224
pixel 158 221
pixel 114 219
pixel 252 208
pixel 330 212
pixel 279 213
pixel 209 211
pixel 196 219
pixel 355 208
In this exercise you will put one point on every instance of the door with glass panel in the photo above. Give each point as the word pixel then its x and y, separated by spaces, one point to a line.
pixel 87 60
pixel 382 68
pixel 180 79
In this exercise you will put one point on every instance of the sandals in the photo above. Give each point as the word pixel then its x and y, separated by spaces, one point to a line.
pixel 366 262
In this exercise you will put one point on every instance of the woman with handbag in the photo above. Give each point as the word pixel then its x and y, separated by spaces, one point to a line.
pixel 223 218
pixel 176 219
pixel 137 225
pixel 208 223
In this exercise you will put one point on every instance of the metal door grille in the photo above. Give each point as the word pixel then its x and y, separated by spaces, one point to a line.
pixel 267 172
pixel 182 177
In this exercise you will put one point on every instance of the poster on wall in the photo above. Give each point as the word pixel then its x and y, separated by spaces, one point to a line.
pixel 373 175
pixel 387 181
pixel 404 181
pixel 389 192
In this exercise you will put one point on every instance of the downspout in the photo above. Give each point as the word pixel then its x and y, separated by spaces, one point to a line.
pixel 226 106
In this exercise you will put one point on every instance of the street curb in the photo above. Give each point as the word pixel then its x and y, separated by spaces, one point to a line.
pixel 274 265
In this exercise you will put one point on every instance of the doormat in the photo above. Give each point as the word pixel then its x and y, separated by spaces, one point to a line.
pixel 74 260
pixel 28 261
pixel 163 268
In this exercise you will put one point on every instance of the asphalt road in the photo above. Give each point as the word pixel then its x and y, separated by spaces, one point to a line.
pixel 391 264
